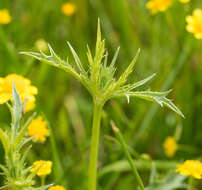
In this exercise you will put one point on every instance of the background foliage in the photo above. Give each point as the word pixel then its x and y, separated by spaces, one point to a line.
pixel 166 49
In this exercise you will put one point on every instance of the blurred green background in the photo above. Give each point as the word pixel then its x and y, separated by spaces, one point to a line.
pixel 167 49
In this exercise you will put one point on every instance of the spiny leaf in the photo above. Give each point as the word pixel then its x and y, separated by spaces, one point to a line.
pixel 89 56
pixel 53 60
pixel 111 66
pixel 128 71
pixel 115 58
pixel 77 60
pixel 98 36
pixel 105 59
pixel 96 67
pixel 159 97
pixel 140 83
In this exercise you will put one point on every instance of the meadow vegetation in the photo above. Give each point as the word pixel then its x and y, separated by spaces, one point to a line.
pixel 85 124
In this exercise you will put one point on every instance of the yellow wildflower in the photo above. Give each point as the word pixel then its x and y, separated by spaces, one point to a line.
pixel 156 6
pixel 56 187
pixel 170 146
pixel 38 129
pixel 23 86
pixel 68 8
pixel 184 1
pixel 5 17
pixel 41 45
pixel 42 167
pixel 194 23
pixel 190 168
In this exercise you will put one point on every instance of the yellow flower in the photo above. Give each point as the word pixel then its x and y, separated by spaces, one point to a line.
pixel 194 23
pixel 23 86
pixel 42 167
pixel 41 45
pixel 5 17
pixel 56 187
pixel 38 129
pixel 184 1
pixel 156 6
pixel 190 168
pixel 68 8
pixel 170 146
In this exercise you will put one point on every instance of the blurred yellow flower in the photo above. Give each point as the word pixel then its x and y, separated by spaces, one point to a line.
pixel 42 167
pixel 184 1
pixel 156 6
pixel 190 168
pixel 38 129
pixel 23 85
pixel 68 9
pixel 170 146
pixel 5 17
pixel 41 45
pixel 194 23
pixel 56 187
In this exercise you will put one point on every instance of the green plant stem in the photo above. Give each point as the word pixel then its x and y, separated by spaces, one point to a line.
pixel 191 183
pixel 43 178
pixel 94 147
pixel 130 160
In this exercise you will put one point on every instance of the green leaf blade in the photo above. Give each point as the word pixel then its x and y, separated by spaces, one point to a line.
pixel 158 97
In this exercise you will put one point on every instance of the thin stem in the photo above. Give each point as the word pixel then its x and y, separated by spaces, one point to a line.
pixel 43 178
pixel 94 147
pixel 190 183
pixel 130 160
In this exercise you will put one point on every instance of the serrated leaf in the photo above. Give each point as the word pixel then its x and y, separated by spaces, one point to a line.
pixel 140 83
pixel 159 97
pixel 53 60
pixel 128 71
